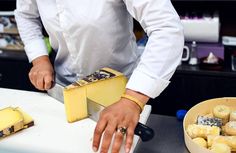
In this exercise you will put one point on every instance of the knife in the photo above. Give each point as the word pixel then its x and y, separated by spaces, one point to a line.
pixel 56 92
pixel 94 109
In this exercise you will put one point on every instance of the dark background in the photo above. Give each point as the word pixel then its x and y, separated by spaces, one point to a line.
pixel 189 85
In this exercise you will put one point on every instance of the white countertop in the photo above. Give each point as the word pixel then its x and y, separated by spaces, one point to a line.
pixel 51 132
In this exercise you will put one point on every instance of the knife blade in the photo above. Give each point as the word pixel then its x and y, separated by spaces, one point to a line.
pixel 57 92
pixel 94 109
pixel 143 131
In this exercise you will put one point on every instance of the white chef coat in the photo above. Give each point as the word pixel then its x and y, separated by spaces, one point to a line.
pixel 91 34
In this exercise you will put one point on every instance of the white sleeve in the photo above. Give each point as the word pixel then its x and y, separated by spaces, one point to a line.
pixel 164 48
pixel 30 28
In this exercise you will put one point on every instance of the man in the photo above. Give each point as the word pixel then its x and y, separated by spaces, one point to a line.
pixel 91 34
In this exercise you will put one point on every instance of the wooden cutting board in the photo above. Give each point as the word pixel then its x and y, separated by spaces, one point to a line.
pixel 51 132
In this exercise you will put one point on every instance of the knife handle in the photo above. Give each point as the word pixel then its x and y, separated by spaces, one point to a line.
pixel 144 132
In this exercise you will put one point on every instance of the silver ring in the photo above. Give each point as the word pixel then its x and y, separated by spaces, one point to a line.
pixel 122 130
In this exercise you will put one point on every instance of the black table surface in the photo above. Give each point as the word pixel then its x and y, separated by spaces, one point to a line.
pixel 168 137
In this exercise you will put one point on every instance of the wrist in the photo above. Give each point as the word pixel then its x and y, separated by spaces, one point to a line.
pixel 139 96
pixel 136 98
pixel 41 60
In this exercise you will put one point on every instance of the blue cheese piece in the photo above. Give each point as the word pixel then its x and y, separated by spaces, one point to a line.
pixel 203 120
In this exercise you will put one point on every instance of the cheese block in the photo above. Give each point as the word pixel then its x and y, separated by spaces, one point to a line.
pixel 11 121
pixel 203 120
pixel 104 86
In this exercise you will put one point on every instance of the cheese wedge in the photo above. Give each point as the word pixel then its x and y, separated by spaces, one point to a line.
pixel 11 121
pixel 104 86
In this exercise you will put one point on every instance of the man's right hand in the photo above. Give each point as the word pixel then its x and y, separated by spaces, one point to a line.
pixel 42 74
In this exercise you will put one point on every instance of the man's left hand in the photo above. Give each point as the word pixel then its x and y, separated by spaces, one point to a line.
pixel 122 114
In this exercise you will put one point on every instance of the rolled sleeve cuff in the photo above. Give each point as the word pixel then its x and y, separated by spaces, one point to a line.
pixel 35 49
pixel 146 84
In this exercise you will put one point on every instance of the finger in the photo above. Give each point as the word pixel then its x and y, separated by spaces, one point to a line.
pixel 129 138
pixel 101 124
pixel 48 79
pixel 39 81
pixel 32 77
pixel 107 137
pixel 117 142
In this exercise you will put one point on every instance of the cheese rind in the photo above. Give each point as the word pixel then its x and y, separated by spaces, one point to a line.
pixel 104 86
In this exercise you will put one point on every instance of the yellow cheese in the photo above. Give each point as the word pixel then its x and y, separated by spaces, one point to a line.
pixel 203 131
pixel 222 112
pixel 105 87
pixel 200 141
pixel 11 121
pixel 107 91
pixel 220 148
pixel 75 103
pixel 228 140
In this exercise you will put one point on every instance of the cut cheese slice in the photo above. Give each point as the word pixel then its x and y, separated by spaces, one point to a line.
pixel 75 103
pixel 105 87
pixel 11 121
